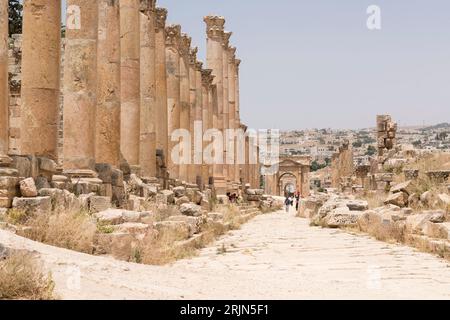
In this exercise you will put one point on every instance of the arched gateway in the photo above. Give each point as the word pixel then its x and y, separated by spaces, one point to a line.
pixel 293 172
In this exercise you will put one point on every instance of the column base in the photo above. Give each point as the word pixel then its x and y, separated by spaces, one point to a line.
pixel 220 185
pixel 5 161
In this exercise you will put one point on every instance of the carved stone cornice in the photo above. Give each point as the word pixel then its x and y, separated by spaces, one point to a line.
pixel 207 77
pixel 185 45
pixel 161 18
pixel 173 36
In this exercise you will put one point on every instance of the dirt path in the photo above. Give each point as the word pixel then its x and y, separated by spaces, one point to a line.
pixel 275 256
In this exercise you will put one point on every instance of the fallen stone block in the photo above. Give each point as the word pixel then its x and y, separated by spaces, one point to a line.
pixel 98 204
pixel 28 188
pixel 110 217
pixel 182 200
pixel 399 199
pixel 190 209
pixel 33 206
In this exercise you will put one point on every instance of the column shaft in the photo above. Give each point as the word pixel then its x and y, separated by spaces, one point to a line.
pixel 162 140
pixel 173 34
pixel 107 147
pixel 40 77
pixel 80 85
pixel 147 153
pixel 199 118
pixel 4 86
pixel 185 98
pixel 130 80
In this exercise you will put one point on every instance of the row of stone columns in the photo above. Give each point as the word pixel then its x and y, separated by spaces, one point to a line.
pixel 129 82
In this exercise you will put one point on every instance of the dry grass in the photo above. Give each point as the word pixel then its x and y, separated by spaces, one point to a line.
pixel 374 199
pixel 74 231
pixel 21 278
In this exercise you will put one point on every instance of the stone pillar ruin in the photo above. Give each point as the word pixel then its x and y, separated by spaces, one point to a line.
pixel 226 105
pixel 184 98
pixel 192 174
pixel 107 146
pixel 199 118
pixel 173 34
pixel 234 168
pixel 4 86
pixel 130 81
pixel 215 34
pixel 80 87
pixel 386 134
pixel 147 143
pixel 207 117
pixel 40 77
pixel 161 115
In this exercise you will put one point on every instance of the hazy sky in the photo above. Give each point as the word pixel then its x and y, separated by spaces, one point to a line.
pixel 314 63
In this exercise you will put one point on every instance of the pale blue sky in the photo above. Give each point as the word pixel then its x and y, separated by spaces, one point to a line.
pixel 313 63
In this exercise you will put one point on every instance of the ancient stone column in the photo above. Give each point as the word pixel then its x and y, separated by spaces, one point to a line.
pixel 226 106
pixel 41 56
pixel 215 33
pixel 162 140
pixel 198 155
pixel 234 168
pixel 107 137
pixel 147 152
pixel 237 93
pixel 192 174
pixel 4 94
pixel 207 116
pixel 80 86
pixel 185 98
pixel 130 81
pixel 173 34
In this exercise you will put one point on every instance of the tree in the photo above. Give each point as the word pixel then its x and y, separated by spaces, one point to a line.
pixel 357 144
pixel 371 150
pixel 15 17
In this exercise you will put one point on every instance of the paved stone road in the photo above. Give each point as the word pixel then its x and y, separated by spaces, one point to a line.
pixel 275 256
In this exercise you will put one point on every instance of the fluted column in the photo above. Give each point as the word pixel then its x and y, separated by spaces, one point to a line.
pixel 4 92
pixel 107 146
pixel 215 33
pixel 130 81
pixel 162 140
pixel 173 34
pixel 185 97
pixel 41 53
pixel 80 85
pixel 147 145
pixel 237 93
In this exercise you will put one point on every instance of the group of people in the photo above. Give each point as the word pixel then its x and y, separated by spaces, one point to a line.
pixel 290 199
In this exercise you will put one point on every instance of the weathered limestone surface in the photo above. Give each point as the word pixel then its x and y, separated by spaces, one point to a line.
pixel 185 46
pixel 41 77
pixel 80 87
pixel 130 84
pixel 107 146
pixel 173 34
pixel 207 116
pixel 161 127
pixel 4 101
pixel 147 143
pixel 215 33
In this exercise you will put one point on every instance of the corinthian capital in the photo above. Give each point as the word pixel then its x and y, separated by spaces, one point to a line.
pixel 232 54
pixel 214 27
pixel 173 34
pixel 199 66
pixel 147 6
pixel 193 56
pixel 238 63
pixel 207 77
pixel 161 17
pixel 226 38
pixel 185 44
